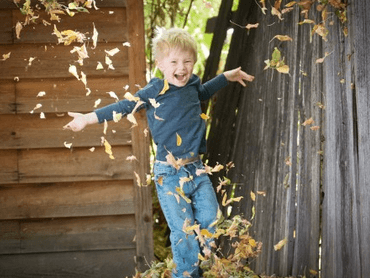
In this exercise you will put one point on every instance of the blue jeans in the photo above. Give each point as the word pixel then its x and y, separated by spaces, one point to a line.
pixel 202 210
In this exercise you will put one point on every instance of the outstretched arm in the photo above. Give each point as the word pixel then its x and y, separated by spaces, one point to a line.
pixel 80 121
pixel 238 75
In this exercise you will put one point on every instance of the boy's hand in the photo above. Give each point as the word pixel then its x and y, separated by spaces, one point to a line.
pixel 80 121
pixel 238 75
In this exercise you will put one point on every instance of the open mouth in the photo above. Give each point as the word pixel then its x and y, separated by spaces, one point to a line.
pixel 180 77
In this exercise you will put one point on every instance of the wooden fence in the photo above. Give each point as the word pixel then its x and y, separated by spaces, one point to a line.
pixel 71 211
pixel 315 177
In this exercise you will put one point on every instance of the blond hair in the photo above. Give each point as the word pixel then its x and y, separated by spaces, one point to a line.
pixel 171 39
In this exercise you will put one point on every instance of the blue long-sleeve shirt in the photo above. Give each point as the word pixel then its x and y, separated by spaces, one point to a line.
pixel 177 116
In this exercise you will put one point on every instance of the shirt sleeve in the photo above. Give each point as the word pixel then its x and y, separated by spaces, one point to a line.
pixel 208 89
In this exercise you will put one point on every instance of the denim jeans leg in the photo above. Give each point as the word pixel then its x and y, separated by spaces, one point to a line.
pixel 185 248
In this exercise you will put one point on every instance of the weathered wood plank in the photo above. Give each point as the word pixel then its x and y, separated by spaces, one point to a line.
pixel 7 97
pixel 6 28
pixel 53 61
pixel 63 95
pixel 8 166
pixel 113 263
pixel 67 234
pixel 78 164
pixel 106 21
pixel 9 4
pixel 143 204
pixel 54 200
pixel 28 131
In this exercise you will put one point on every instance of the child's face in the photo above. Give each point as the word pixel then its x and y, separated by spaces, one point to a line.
pixel 177 66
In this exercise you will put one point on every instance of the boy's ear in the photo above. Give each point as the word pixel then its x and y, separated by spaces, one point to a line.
pixel 159 64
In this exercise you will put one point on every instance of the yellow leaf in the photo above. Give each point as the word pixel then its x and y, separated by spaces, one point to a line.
pixel 204 116
pixel 283 69
pixel 178 140
pixel 18 29
pixel 108 149
pixel 182 194
pixel 217 168
pixel 290 4
pixel 315 127
pixel 263 193
pixel 205 232
pixel 165 87
pixel 252 242
pixel 160 180
pixel 282 38
pixel 253 196
pixel 224 199
pixel 280 244
pixel 308 122
pixel 6 56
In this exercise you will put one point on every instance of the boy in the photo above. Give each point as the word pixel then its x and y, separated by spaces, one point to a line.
pixel 173 110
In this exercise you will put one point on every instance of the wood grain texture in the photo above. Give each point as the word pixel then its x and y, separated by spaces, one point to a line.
pixel 29 131
pixel 107 263
pixel 52 200
pixel 143 199
pixel 67 234
pixel 53 61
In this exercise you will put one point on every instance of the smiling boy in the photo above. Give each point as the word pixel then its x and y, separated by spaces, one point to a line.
pixel 174 117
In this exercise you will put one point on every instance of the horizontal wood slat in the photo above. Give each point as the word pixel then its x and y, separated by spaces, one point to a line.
pixel 67 234
pixel 9 4
pixel 112 263
pixel 6 28
pixel 28 131
pixel 65 165
pixel 53 61
pixel 81 22
pixel 61 95
pixel 67 200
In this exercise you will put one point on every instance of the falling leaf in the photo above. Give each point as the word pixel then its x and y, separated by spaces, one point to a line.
pixel 138 180
pixel 131 158
pixel 95 37
pixel 217 168
pixel 108 61
pixel 253 196
pixel 67 145
pixel 41 94
pixel 97 102
pixel 42 115
pixel 108 149
pixel 112 52
pixel 18 29
pixel 5 56
pixel 172 161
pixel 130 97
pixel 178 140
pixel 290 4
pixel 73 70
pixel 280 244
pixel 83 78
pixel 160 180
pixel 99 66
pixel 250 26
pixel 146 132
pixel 157 117
pixel 282 38
pixel 321 60
pixel 113 95
pixel 308 122
pixel 181 192
pixel 306 21
pixel 165 87
pixel 126 44
pixel 38 106
pixel 313 272
pixel 315 127
pixel 276 12
pixel 105 127
pixel 92 149
pixel 131 118
pixel 263 193
pixel 184 180
pixel 117 116
pixel 148 179
pixel 204 116
pixel 154 103
pixel 288 161
pixel 283 69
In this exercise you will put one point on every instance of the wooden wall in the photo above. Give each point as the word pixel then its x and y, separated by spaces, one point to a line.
pixel 316 181
pixel 70 211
